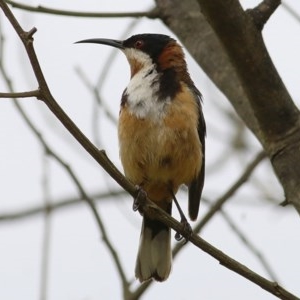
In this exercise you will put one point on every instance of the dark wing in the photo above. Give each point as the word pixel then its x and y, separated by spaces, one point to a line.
pixel 196 186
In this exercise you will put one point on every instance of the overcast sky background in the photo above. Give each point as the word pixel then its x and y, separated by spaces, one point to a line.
pixel 80 267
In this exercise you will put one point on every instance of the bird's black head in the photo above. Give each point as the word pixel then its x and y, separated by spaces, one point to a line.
pixel 147 49
pixel 151 44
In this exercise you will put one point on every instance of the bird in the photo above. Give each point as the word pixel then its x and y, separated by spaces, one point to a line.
pixel 161 132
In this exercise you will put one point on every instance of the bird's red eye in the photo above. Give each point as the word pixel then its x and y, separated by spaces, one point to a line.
pixel 138 44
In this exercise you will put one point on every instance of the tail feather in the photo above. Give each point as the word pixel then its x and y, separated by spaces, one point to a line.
pixel 154 256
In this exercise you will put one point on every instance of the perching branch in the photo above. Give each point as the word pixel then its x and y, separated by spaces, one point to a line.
pixel 151 210
pixel 225 197
pixel 216 207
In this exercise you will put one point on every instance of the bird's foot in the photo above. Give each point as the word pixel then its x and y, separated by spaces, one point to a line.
pixel 187 230
pixel 139 199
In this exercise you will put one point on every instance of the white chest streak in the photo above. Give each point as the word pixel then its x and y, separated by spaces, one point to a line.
pixel 142 90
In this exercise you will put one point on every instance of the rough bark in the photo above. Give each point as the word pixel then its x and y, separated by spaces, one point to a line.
pixel 228 45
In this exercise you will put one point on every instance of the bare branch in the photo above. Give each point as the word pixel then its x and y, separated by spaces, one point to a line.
pixel 51 207
pixel 95 91
pixel 291 11
pixel 276 113
pixel 263 11
pixel 249 245
pixel 29 94
pixel 254 66
pixel 230 192
pixel 46 233
pixel 152 14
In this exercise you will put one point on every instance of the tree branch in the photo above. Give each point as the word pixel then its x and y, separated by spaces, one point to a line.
pixel 291 11
pixel 230 192
pixel 265 90
pixel 276 113
pixel 63 203
pixel 152 14
pixel 29 94
pixel 47 231
pixel 95 92
pixel 263 11
pixel 236 229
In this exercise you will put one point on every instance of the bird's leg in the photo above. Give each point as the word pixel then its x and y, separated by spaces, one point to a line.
pixel 139 199
pixel 183 221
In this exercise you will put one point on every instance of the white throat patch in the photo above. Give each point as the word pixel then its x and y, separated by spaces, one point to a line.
pixel 142 90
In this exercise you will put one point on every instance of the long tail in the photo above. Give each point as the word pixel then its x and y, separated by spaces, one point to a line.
pixel 154 257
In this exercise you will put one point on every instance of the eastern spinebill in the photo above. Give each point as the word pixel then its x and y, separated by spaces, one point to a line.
pixel 161 133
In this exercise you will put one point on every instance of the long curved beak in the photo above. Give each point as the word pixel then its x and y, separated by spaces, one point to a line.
pixel 109 42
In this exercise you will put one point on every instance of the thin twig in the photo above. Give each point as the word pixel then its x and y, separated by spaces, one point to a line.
pixel 152 14
pixel 230 192
pixel 47 231
pixel 29 212
pixel 100 224
pixel 29 94
pixel 291 11
pixel 249 245
pixel 94 90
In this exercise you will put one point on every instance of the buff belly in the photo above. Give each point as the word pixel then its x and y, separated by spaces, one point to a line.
pixel 160 155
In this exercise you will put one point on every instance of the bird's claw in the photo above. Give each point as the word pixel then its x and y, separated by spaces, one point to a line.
pixel 135 205
pixel 139 199
pixel 187 229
